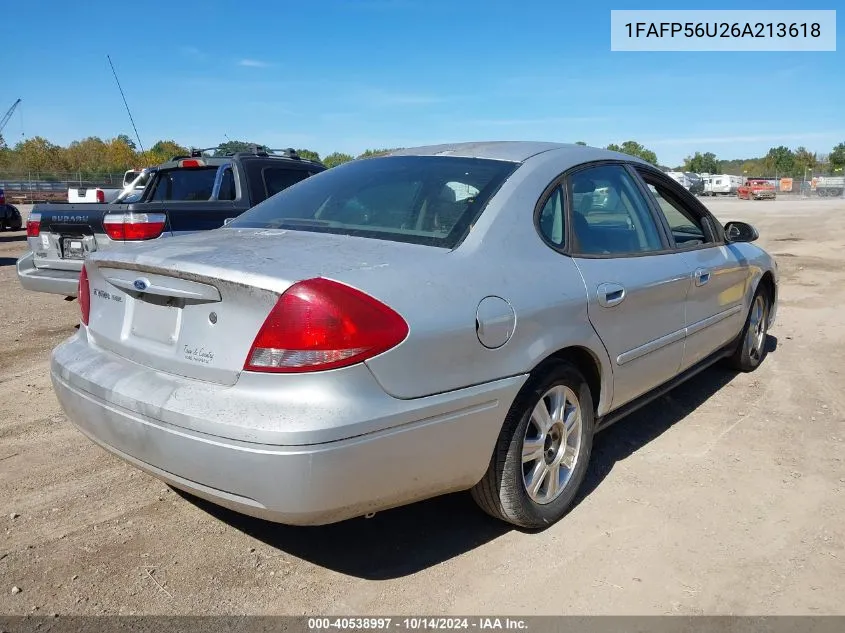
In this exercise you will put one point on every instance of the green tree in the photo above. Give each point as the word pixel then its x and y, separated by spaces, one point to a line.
pixel 233 147
pixel 336 158
pixel 87 155
pixel 753 167
pixel 163 151
pixel 38 154
pixel 127 140
pixel 779 160
pixel 119 155
pixel 632 148
pixel 836 158
pixel 308 154
pixel 804 161
pixel 702 163
pixel 372 153
pixel 580 143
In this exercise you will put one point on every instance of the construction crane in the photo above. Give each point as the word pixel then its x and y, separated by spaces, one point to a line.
pixel 8 115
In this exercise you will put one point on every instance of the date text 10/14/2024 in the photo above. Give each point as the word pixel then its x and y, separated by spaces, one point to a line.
pixel 416 624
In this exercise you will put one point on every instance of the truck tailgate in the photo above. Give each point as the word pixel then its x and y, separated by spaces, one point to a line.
pixel 67 233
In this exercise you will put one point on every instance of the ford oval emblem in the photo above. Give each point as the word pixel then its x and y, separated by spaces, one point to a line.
pixel 141 284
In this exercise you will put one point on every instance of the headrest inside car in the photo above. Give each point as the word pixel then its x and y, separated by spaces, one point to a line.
pixel 582 185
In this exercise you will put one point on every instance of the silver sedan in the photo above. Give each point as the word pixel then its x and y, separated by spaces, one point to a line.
pixel 457 317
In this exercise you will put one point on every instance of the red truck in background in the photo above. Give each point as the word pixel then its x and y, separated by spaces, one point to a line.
pixel 756 190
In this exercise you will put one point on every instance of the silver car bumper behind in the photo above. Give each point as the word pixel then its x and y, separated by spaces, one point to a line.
pixel 60 282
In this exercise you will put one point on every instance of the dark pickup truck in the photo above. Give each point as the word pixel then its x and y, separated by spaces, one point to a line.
pixel 185 195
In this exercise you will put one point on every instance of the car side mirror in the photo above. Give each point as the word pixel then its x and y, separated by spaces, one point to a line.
pixel 740 232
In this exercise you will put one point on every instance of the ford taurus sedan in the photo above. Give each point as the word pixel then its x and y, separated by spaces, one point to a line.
pixel 446 318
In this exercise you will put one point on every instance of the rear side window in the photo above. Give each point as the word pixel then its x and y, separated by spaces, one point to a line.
pixel 277 179
pixel 551 218
pixel 184 184
pixel 227 185
pixel 429 200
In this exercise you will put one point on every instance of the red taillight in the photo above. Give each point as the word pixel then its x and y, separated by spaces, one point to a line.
pixel 101 196
pixel 83 294
pixel 2 197
pixel 134 226
pixel 33 225
pixel 190 162
pixel 320 324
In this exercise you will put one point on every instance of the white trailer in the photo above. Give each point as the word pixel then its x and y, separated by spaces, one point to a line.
pixel 722 185
pixel 680 177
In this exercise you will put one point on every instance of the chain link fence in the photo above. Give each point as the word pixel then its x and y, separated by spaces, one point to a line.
pixel 813 184
pixel 35 186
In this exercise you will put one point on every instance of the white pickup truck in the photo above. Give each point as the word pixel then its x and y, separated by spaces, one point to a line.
pixel 103 195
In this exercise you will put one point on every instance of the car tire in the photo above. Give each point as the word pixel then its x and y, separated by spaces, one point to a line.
pixel 751 348
pixel 13 221
pixel 537 490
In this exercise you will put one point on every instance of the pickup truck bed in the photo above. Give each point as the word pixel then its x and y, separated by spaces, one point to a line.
pixel 186 195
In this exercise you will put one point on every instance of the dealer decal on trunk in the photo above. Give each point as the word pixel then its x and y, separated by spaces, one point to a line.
pixel 198 354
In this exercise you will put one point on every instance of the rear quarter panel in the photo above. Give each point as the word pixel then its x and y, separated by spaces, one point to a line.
pixel 442 351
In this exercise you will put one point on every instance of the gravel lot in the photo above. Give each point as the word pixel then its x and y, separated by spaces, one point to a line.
pixel 725 497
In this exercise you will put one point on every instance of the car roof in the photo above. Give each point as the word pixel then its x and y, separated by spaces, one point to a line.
pixel 516 151
pixel 216 161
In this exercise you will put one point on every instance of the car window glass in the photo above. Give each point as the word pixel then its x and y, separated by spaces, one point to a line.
pixel 277 179
pixel 686 228
pixel 551 218
pixel 185 184
pixel 386 205
pixel 610 216
pixel 227 185
pixel 431 200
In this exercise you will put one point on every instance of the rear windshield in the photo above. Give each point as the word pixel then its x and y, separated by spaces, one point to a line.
pixel 184 184
pixel 428 200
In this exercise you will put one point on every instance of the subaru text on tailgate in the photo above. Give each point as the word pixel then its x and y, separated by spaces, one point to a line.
pixel 186 195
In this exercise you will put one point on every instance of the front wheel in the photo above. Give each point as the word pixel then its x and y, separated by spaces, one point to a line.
pixel 543 450
pixel 752 346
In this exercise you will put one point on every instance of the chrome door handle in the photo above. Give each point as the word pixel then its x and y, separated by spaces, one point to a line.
pixel 610 294
pixel 702 276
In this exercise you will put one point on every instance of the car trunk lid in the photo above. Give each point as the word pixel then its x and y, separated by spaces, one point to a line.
pixel 193 306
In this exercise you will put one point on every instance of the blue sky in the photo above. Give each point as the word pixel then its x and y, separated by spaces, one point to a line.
pixel 349 75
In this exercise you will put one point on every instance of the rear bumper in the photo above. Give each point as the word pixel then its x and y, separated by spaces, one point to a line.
pixel 60 282
pixel 425 447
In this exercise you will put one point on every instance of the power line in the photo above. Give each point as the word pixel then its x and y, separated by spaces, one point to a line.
pixel 131 120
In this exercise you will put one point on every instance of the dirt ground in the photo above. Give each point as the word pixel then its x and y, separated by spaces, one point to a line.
pixel 725 497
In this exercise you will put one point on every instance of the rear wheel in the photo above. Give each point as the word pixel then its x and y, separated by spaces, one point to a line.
pixel 14 221
pixel 543 450
pixel 752 347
